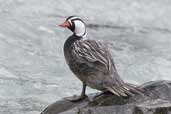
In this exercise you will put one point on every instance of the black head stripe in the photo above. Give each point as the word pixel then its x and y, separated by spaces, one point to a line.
pixel 76 19
pixel 72 28
pixel 70 17
pixel 73 18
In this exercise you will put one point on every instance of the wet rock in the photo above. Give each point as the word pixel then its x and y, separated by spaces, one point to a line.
pixel 156 100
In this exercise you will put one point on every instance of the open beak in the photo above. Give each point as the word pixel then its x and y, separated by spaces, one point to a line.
pixel 65 24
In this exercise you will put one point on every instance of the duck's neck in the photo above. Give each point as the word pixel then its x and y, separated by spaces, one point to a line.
pixel 81 34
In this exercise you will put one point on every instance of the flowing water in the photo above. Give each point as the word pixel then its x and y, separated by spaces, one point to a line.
pixel 33 72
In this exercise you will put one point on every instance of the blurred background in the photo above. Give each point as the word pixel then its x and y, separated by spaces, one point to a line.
pixel 33 72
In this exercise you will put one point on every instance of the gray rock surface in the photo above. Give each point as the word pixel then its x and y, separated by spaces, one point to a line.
pixel 156 100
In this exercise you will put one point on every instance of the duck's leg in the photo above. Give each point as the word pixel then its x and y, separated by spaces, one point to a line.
pixel 79 98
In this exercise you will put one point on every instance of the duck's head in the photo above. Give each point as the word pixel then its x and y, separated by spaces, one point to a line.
pixel 76 25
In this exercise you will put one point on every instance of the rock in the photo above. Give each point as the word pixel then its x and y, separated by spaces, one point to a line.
pixel 156 100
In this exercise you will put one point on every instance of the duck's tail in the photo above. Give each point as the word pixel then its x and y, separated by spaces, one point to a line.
pixel 126 90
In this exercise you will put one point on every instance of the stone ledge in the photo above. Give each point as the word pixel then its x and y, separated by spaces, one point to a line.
pixel 157 100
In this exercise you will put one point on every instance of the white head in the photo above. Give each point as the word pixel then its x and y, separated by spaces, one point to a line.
pixel 76 25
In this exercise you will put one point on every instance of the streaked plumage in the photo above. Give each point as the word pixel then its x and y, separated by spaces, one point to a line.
pixel 92 63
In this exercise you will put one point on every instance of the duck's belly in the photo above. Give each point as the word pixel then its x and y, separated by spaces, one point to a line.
pixel 92 77
pixel 94 82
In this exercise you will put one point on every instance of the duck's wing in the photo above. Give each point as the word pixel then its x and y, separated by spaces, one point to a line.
pixel 93 53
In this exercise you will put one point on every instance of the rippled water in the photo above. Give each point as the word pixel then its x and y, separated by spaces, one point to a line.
pixel 33 72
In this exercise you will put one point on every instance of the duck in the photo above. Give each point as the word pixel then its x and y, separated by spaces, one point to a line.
pixel 92 63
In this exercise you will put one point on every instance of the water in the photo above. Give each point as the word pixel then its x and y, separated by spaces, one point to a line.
pixel 33 72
